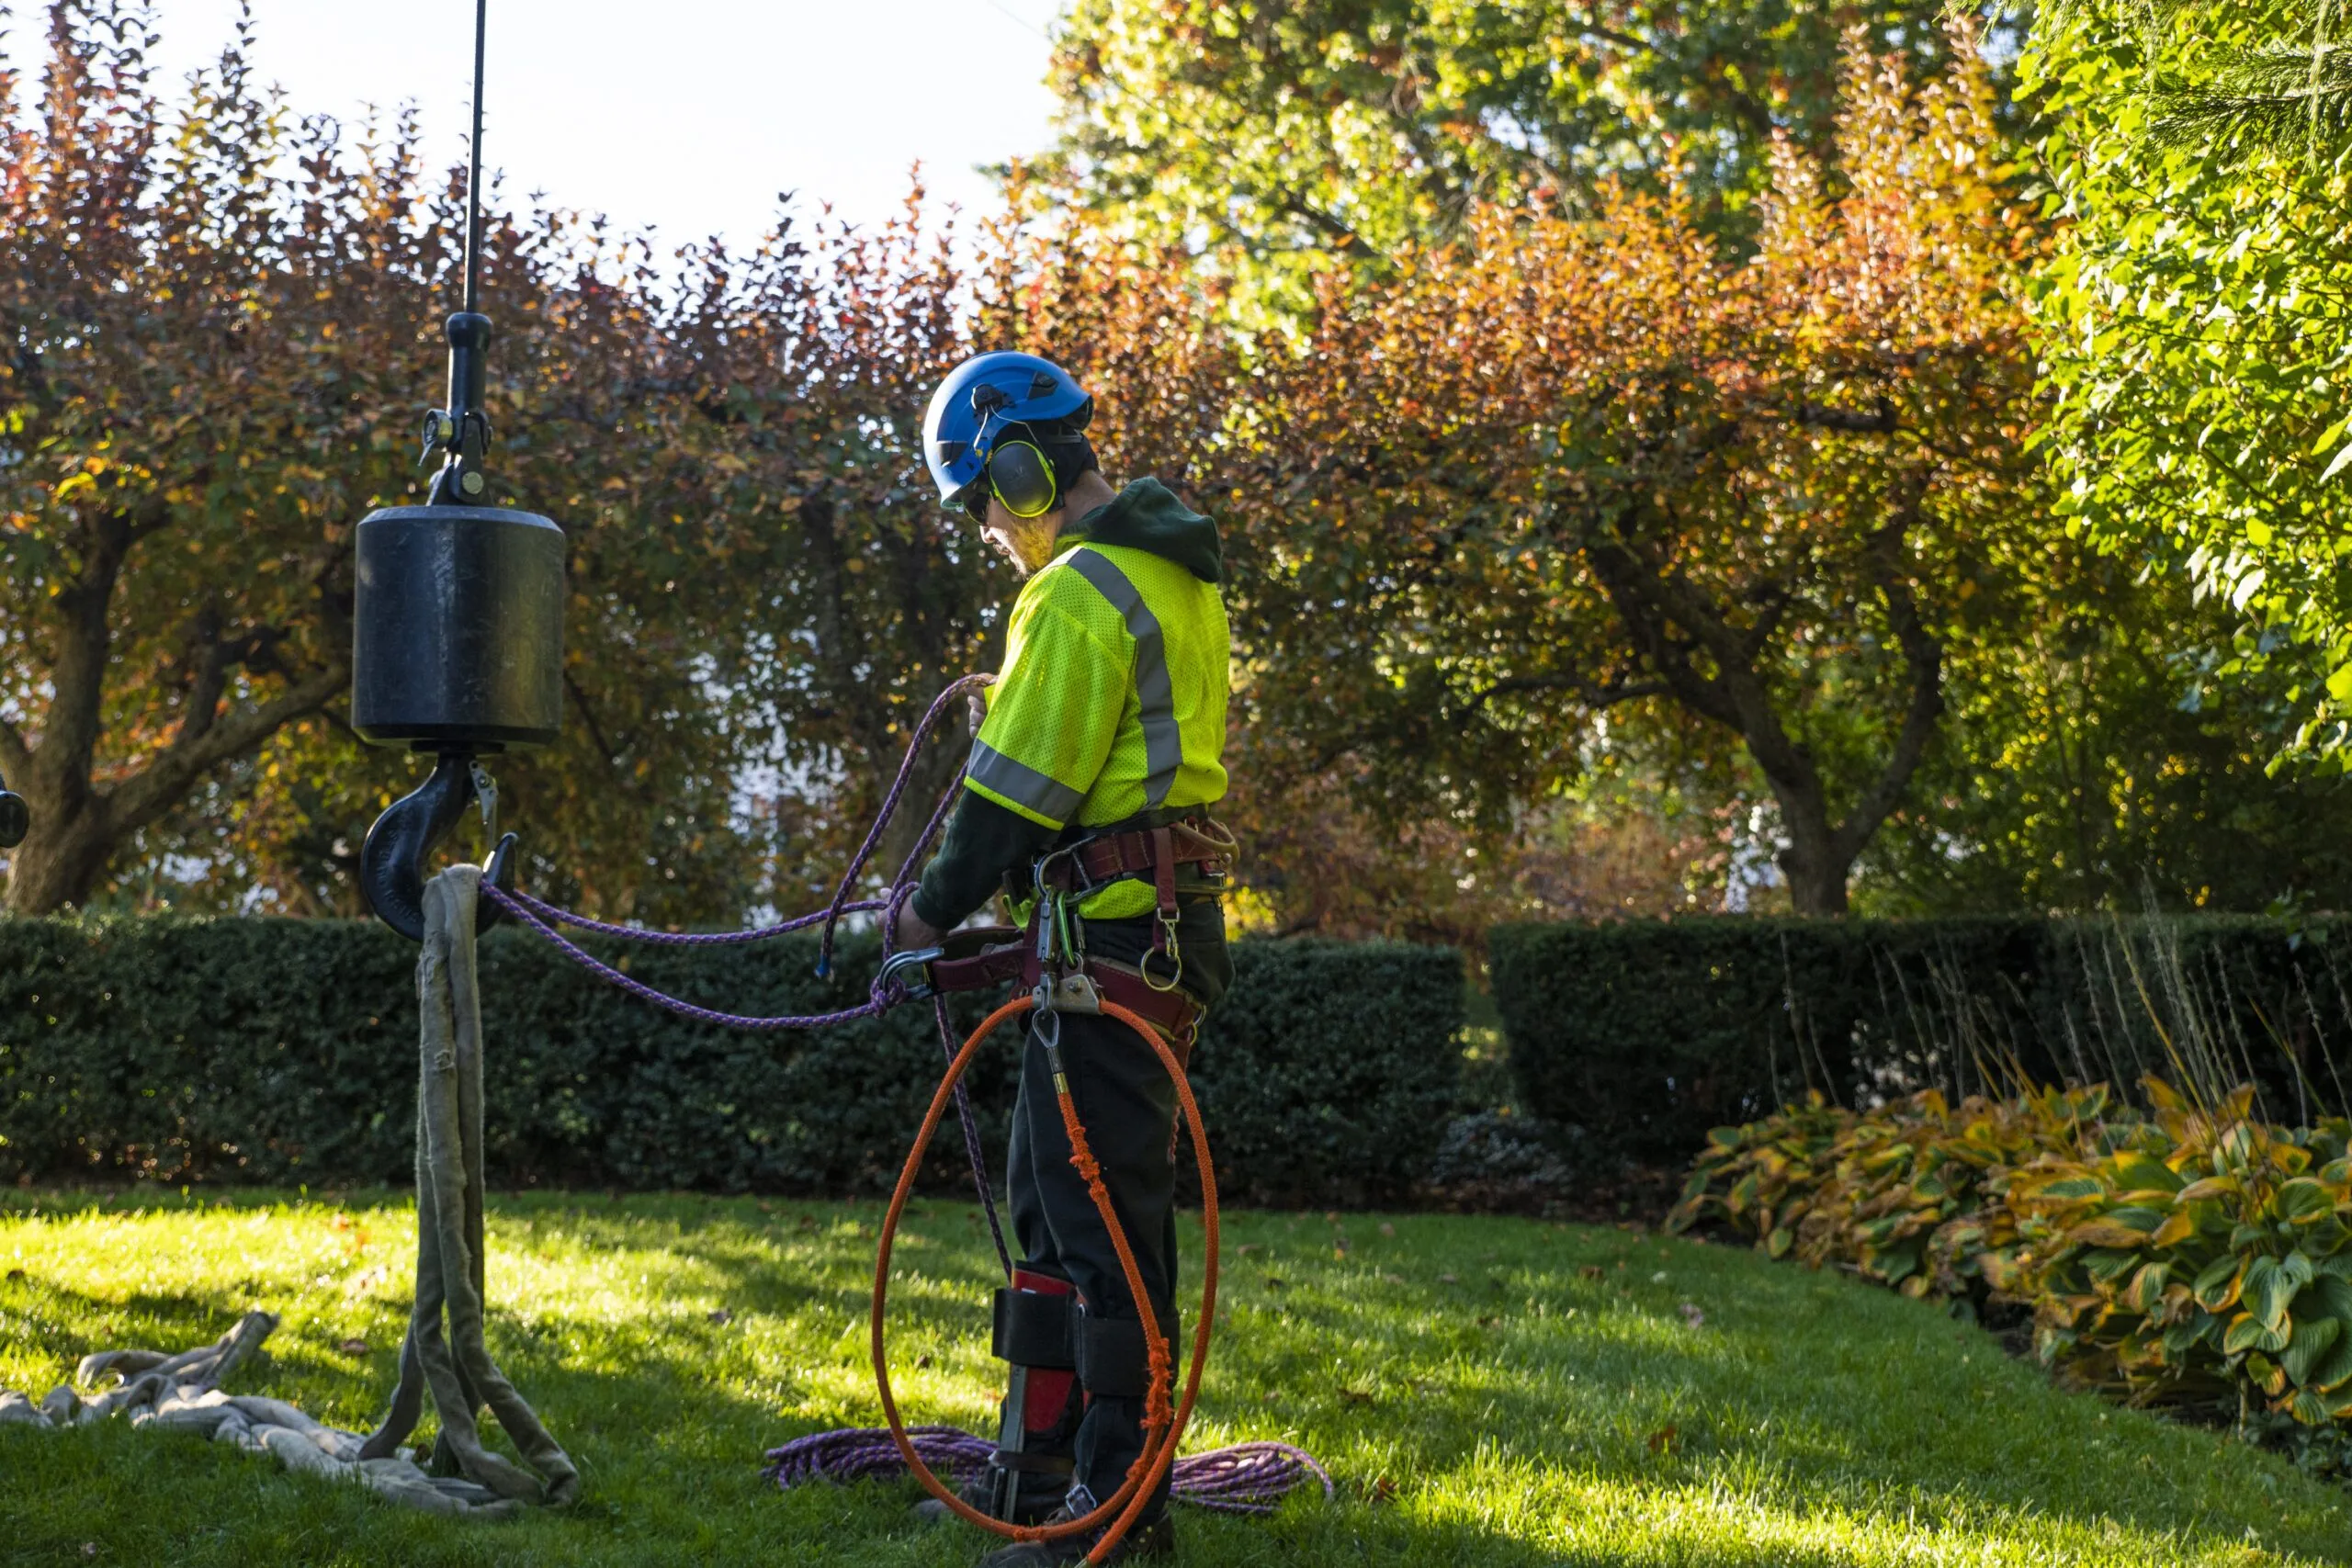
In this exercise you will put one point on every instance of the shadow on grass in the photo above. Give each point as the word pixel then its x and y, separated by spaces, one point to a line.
pixel 1509 1409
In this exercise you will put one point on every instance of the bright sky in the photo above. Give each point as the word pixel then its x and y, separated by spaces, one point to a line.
pixel 685 115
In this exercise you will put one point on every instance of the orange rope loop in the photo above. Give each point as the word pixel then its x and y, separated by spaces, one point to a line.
pixel 1162 1428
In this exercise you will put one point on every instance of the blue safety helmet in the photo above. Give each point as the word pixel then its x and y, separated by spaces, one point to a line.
pixel 980 399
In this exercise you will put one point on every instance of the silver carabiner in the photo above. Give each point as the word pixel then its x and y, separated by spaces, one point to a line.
pixel 894 969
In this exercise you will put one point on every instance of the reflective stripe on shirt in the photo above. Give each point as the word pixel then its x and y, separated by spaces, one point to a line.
pixel 1155 693
pixel 1017 783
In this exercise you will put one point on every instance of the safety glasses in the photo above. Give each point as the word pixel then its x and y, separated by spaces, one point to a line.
pixel 974 499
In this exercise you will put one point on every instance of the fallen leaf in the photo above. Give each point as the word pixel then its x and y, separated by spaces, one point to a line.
pixel 352 1347
pixel 1447 1280
pixel 1381 1490
pixel 1692 1316
pixel 1663 1440
pixel 1593 1271
pixel 1246 1248
pixel 1387 1229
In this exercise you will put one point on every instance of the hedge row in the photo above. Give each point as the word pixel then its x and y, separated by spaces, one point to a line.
pixel 284 1051
pixel 1643 1035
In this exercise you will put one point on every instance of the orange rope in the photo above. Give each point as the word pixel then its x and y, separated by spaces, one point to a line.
pixel 1162 1428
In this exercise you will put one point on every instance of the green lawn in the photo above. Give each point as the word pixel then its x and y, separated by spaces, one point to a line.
pixel 1488 1391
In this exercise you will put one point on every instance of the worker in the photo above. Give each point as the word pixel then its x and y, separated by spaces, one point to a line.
pixel 1101 747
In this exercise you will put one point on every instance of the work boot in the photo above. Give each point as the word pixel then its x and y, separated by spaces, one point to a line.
pixel 1156 1538
pixel 1033 1504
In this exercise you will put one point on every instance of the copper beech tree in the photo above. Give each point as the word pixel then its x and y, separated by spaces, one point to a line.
pixel 1582 472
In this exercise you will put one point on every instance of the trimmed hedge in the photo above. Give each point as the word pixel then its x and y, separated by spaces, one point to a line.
pixel 284 1051
pixel 1645 1034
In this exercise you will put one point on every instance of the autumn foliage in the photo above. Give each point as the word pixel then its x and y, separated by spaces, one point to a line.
pixel 1577 466
pixel 1580 486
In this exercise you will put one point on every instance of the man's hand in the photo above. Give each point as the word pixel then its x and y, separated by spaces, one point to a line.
pixel 912 931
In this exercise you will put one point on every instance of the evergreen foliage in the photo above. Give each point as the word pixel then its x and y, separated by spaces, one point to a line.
pixel 283 1051
pixel 1645 1034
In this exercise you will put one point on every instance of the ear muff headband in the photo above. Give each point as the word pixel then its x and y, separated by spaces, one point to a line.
pixel 1022 478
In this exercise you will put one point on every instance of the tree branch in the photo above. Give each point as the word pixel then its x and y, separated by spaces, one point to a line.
pixel 15 760
pixel 156 788
pixel 1880 421
pixel 1923 653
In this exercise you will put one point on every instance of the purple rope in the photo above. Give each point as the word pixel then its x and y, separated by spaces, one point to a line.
pixel 971 1136
pixel 514 905
pixel 549 913
pixel 889 809
pixel 1247 1478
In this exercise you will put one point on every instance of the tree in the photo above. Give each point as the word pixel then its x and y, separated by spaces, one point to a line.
pixel 1280 141
pixel 1571 472
pixel 2193 319
pixel 2091 761
pixel 222 324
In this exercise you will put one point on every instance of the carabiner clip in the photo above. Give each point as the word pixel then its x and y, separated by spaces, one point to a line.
pixel 895 967
pixel 1173 951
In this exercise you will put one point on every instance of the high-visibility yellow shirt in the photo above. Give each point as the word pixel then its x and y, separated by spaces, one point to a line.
pixel 1112 699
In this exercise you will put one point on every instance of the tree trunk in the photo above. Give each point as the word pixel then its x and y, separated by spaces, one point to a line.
pixel 1816 878
pixel 61 860
pixel 1817 861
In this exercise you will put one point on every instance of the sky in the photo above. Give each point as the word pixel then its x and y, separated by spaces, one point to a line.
pixel 687 116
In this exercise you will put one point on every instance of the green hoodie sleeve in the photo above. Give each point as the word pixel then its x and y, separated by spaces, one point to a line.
pixel 983 842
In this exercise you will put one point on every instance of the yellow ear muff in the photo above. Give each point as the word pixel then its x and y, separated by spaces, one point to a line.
pixel 1022 480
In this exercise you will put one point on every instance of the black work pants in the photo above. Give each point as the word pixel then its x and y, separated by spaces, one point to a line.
pixel 1127 1107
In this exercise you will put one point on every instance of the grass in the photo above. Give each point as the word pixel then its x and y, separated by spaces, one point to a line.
pixel 1488 1391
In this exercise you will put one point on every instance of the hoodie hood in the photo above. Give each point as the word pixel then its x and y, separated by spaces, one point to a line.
pixel 1147 516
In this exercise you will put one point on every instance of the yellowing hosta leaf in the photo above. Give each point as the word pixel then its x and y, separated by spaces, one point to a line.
pixel 2304 1200
pixel 2140 1172
pixel 2247 1331
pixel 2174 1231
pixel 2147 1288
pixel 2106 1233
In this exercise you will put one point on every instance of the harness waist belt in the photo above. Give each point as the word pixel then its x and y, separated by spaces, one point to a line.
pixel 1156 851
pixel 1012 957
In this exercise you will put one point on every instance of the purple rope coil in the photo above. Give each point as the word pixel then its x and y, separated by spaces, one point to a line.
pixel 1247 1478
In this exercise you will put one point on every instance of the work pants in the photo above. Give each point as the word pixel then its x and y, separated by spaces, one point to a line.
pixel 1127 1107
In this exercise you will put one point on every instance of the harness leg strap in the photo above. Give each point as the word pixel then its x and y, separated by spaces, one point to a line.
pixel 1112 1360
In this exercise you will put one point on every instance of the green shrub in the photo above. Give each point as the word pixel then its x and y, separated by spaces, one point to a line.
pixel 1644 1034
pixel 2186 1254
pixel 284 1051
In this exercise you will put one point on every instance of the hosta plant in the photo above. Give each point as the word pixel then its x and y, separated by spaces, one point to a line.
pixel 2186 1254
